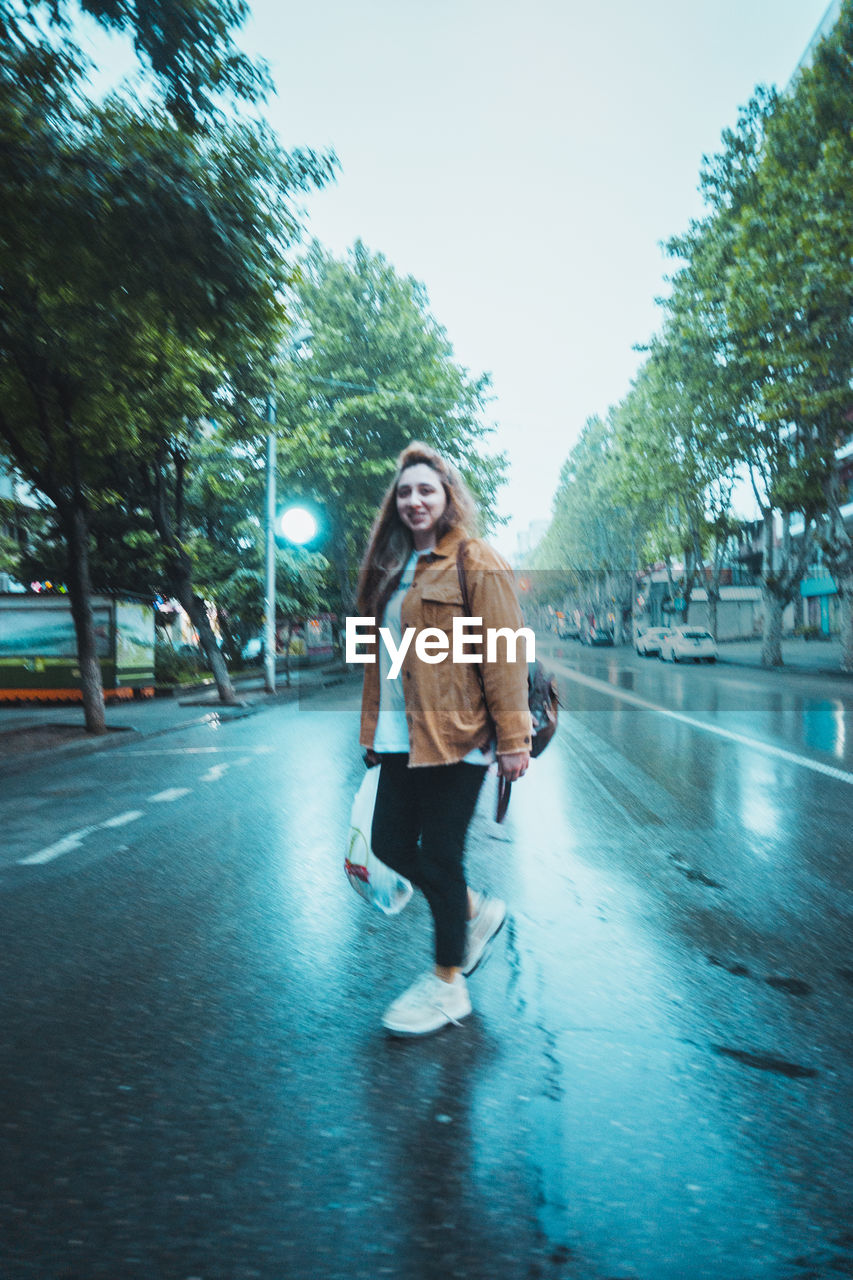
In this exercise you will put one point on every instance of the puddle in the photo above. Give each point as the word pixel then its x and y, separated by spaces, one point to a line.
pixel 766 1062
pixel 793 986
pixel 737 969
pixel 691 873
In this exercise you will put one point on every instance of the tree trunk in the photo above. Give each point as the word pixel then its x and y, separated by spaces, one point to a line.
pixel 180 570
pixel 837 547
pixel 713 604
pixel 197 611
pixel 771 640
pixel 799 612
pixel 779 585
pixel 76 531
pixel 845 602
pixel 287 644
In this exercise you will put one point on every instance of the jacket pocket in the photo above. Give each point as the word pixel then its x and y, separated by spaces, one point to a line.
pixel 442 602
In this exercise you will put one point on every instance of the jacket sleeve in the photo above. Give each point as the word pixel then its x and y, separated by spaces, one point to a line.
pixel 492 595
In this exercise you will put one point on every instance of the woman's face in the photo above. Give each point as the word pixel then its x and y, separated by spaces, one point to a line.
pixel 421 501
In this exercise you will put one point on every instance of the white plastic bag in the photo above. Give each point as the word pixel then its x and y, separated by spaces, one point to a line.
pixel 375 881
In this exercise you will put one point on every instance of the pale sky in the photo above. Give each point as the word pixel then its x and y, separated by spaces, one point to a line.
pixel 524 161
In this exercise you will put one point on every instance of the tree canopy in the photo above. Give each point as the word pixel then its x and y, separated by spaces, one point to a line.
pixel 377 373
pixel 187 44
pixel 750 373
pixel 142 272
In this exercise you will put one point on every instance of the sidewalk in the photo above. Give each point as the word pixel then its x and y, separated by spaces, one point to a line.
pixel 816 657
pixel 31 728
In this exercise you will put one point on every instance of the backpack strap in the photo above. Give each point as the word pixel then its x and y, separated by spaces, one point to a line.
pixel 463 581
pixel 504 787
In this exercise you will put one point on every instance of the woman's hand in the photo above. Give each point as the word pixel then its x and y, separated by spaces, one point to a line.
pixel 513 765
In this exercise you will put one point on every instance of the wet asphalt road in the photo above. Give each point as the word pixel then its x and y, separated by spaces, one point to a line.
pixel 656 1082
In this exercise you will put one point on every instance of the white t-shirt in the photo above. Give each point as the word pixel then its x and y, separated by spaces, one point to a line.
pixel 392 730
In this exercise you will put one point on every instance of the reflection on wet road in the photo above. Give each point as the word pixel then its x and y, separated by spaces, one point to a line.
pixel 798 712
pixel 732 865
pixel 656 1082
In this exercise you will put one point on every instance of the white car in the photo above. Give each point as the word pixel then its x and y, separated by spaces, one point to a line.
pixel 689 644
pixel 650 640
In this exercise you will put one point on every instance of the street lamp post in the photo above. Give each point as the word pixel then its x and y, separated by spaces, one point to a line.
pixel 269 544
pixel 303 335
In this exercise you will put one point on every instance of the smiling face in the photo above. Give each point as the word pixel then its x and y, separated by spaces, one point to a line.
pixel 421 501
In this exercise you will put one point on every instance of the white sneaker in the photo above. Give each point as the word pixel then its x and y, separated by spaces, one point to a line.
pixel 482 928
pixel 427 1006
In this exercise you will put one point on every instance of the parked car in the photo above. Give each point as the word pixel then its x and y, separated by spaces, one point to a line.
pixel 568 630
pixel 598 635
pixel 689 644
pixel 650 640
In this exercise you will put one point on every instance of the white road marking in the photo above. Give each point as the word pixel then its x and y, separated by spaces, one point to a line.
pixel 780 753
pixel 215 772
pixel 75 838
pixel 72 841
pixel 122 819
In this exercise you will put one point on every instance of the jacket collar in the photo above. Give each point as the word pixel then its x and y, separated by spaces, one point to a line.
pixel 447 545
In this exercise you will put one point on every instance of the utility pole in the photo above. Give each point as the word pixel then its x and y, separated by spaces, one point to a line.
pixel 301 336
pixel 269 543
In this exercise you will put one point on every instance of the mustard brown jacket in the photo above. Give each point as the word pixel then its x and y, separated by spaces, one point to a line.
pixel 446 711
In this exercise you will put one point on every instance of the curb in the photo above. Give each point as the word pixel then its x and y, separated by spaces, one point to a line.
pixel 115 735
pixel 791 668
pixel 207 707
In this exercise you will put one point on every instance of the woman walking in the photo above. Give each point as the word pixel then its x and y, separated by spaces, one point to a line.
pixel 435 727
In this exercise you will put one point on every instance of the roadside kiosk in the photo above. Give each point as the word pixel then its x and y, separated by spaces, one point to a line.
pixel 38 648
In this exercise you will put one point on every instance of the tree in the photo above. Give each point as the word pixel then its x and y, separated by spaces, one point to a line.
pixel 595 535
pixel 654 471
pixel 138 263
pixel 790 304
pixel 225 538
pixel 378 374
pixel 672 435
pixel 188 46
pixel 714 250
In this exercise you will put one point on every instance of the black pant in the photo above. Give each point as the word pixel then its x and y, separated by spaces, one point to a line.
pixel 419 827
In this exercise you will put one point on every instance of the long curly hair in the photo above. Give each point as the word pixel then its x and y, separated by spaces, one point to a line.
pixel 390 543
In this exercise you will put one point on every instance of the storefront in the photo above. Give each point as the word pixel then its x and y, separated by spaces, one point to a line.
pixel 821 600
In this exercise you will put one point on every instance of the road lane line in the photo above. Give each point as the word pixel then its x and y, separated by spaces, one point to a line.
pixel 122 819
pixel 780 753
pixel 75 838
pixel 72 841
pixel 215 772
